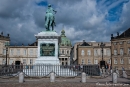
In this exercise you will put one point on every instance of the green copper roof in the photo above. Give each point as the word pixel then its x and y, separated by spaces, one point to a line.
pixel 64 40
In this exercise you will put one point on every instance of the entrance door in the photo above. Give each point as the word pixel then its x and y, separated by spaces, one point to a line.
pixel 17 64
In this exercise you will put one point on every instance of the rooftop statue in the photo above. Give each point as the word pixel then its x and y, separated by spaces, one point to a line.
pixel 50 18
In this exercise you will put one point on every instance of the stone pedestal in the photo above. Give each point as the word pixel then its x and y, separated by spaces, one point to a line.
pixel 47 39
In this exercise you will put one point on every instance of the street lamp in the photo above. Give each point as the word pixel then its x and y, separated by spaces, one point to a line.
pixel 6 52
pixel 102 62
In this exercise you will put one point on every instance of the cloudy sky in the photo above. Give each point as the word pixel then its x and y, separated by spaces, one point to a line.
pixel 90 20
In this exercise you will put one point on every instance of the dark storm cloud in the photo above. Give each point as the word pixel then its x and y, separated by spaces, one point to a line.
pixel 81 19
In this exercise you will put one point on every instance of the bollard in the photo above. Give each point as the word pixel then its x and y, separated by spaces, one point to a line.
pixel 21 77
pixel 52 77
pixel 83 77
pixel 114 77
pixel 124 74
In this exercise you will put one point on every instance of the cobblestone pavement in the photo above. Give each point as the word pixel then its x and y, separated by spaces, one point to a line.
pixel 64 82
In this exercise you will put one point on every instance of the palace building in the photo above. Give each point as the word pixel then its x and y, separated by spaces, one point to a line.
pixel 90 53
pixel 120 48
pixel 4 42
pixel 27 54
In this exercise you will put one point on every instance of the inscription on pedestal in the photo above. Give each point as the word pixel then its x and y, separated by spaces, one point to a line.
pixel 47 49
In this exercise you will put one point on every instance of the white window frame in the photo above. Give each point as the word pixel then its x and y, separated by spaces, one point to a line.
pixel 3 61
pixel 82 61
pixel 121 61
pixel 115 51
pixel 24 61
pixel 109 61
pixel 11 51
pixel 31 51
pixel 128 50
pixel 108 52
pixel 121 42
pixel 121 51
pixel 89 61
pixel 115 43
pixel 25 52
pixel 89 52
pixel 95 61
pixel 4 51
pixel 115 61
pixel 129 60
pixel 82 52
pixel 128 42
pixel 31 61
pixel 18 51
pixel 95 52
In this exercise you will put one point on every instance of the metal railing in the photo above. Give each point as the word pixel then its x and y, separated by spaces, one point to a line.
pixel 41 70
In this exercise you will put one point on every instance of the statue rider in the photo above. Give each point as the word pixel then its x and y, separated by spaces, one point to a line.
pixel 50 11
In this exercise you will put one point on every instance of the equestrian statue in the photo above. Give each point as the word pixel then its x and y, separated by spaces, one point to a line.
pixel 50 18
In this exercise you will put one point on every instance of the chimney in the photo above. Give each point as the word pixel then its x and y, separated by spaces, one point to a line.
pixel 1 33
pixel 111 35
pixel 8 35
pixel 22 44
pixel 117 33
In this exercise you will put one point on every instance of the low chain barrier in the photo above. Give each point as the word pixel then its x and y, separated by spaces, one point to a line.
pixel 42 70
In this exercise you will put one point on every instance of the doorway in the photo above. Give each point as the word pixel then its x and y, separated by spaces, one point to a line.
pixel 17 64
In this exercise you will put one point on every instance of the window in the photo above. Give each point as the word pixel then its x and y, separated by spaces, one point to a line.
pixel 24 61
pixel 108 52
pixel 109 61
pixel 82 61
pixel 115 52
pixel 115 61
pixel 62 51
pixel 89 61
pixel 122 61
pixel 88 52
pixel 10 61
pixel 121 42
pixel 18 52
pixel 104 51
pixel 128 42
pixel 67 51
pixel 31 51
pixel 95 52
pixel 4 51
pixel 128 50
pixel 82 53
pixel 25 52
pixel 95 61
pixel 11 52
pixel 115 43
pixel 3 61
pixel 31 61
pixel 36 52
pixel 121 51
pixel 129 60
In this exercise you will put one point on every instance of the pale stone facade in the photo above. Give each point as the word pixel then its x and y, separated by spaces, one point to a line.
pixel 64 55
pixel 22 55
pixel 91 53
pixel 121 50
pixel 27 54
pixel 4 40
